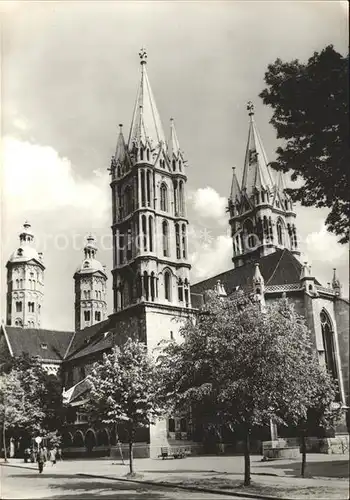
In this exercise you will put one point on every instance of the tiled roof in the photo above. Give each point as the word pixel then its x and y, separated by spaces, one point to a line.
pixel 278 268
pixel 76 391
pixel 86 336
pixel 48 344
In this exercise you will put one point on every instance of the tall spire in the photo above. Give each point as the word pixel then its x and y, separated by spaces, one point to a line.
pixel 173 145
pixel 256 173
pixel 235 189
pixel 146 124
pixel 120 151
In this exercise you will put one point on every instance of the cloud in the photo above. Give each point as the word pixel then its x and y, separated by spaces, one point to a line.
pixel 208 204
pixel 36 178
pixel 323 246
pixel 210 258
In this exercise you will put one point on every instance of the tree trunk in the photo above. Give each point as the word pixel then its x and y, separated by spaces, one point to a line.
pixel 131 458
pixel 246 458
pixel 119 445
pixel 4 440
pixel 303 454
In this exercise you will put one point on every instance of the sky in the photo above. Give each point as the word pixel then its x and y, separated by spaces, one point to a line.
pixel 70 72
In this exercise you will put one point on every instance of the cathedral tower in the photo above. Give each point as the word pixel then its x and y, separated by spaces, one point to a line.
pixel 90 288
pixel 261 213
pixel 25 283
pixel 150 255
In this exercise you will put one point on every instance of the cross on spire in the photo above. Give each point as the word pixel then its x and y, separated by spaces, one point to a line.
pixel 250 108
pixel 143 56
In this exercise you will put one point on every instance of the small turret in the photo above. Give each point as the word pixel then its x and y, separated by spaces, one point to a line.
pixel 259 285
pixel 220 289
pixel 336 283
pixel 306 278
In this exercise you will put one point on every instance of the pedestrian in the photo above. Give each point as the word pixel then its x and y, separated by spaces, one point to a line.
pixel 27 454
pixel 59 454
pixel 52 454
pixel 41 458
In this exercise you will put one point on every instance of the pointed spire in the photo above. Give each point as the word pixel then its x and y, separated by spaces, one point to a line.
pixel 146 124
pixel 120 151
pixel 220 289
pixel 90 248
pixel 304 271
pixel 173 145
pixel 235 188
pixel 336 282
pixel 281 184
pixel 257 174
pixel 258 279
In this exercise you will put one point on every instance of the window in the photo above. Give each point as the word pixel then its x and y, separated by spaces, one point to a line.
pixel 328 344
pixel 18 307
pixel 31 307
pixel 144 231
pixel 145 284
pixel 148 178
pixel 184 249
pixel 181 198
pixel 171 335
pixel 174 165
pixel 86 315
pixel 97 315
pixel 171 425
pixel 177 240
pixel 128 200
pixel 43 346
pixel 152 280
pixel 164 198
pixel 167 285
pixel 143 189
pixel 180 291
pixel 165 229
pixel 150 223
pixel 279 232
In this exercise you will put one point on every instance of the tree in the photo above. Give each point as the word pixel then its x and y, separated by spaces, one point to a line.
pixel 43 395
pixel 310 103
pixel 242 366
pixel 17 411
pixel 125 388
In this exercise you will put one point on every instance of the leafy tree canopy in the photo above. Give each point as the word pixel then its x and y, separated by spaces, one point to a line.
pixel 243 366
pixel 125 387
pixel 310 102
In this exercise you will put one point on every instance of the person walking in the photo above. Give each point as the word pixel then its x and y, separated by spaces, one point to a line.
pixel 41 458
pixel 59 454
pixel 52 454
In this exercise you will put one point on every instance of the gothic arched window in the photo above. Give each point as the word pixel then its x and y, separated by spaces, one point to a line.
pixel 165 231
pixel 144 232
pixel 164 198
pixel 181 198
pixel 150 224
pixel 328 344
pixel 180 290
pixel 143 188
pixel 280 232
pixel 177 241
pixel 145 284
pixel 167 285
pixel 128 200
pixel 184 242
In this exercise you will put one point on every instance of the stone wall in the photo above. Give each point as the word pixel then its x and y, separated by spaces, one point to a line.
pixel 341 308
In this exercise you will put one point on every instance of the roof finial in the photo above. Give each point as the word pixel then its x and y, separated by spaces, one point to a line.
pixel 250 108
pixel 143 56
pixel 121 127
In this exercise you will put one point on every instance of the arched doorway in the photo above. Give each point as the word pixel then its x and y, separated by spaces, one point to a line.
pixel 90 440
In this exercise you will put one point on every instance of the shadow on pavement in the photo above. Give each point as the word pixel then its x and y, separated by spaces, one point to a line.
pixel 336 468
pixel 74 488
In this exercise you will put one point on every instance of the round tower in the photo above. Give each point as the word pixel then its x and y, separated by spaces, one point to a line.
pixel 90 288
pixel 25 283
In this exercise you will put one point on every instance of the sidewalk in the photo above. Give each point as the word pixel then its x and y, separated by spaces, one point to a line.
pixel 277 479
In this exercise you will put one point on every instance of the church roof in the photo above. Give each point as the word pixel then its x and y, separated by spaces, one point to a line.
pixel 146 124
pixel 256 174
pixel 85 341
pixel 47 344
pixel 278 268
pixel 75 392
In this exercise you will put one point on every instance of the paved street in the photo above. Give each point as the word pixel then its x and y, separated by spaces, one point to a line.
pixel 57 483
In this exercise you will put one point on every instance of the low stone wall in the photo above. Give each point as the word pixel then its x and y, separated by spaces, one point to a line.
pixel 280 449
pixel 336 445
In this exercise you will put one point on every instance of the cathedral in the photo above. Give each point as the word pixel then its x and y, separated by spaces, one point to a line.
pixel 151 281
